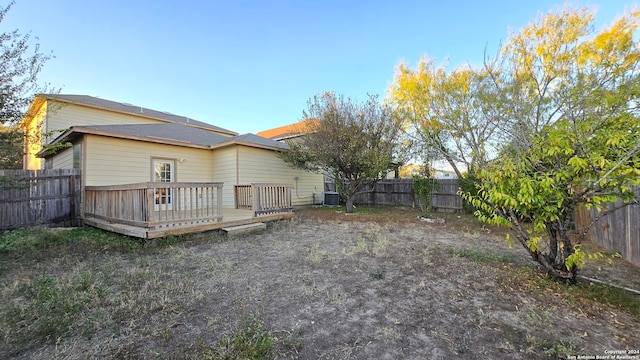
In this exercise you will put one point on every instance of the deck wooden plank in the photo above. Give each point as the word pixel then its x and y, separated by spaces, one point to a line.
pixel 188 229
pixel 244 229
pixel 123 229
pixel 230 218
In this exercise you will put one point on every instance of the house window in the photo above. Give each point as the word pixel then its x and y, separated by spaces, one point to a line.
pixel 48 163
pixel 163 171
pixel 77 156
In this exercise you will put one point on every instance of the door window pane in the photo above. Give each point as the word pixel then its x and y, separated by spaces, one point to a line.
pixel 163 172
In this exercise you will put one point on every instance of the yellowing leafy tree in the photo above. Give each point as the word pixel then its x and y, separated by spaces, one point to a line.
pixel 570 100
pixel 449 111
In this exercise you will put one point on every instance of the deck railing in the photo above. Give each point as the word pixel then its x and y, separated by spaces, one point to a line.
pixel 264 198
pixel 155 205
pixel 271 198
pixel 242 195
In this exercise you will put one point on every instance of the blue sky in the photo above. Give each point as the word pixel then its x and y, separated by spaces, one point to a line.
pixel 252 65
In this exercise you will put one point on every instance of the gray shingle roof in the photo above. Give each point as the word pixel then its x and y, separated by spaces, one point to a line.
pixel 180 133
pixel 174 132
pixel 132 109
pixel 259 140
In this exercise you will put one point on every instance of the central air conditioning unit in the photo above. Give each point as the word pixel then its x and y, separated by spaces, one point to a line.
pixel 330 198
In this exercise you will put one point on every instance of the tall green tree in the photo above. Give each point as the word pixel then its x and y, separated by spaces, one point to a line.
pixel 21 63
pixel 355 143
pixel 570 100
pixel 11 148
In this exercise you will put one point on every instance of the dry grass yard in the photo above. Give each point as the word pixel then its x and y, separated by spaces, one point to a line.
pixel 379 284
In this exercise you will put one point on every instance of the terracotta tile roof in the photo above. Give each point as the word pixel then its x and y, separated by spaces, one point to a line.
pixel 288 131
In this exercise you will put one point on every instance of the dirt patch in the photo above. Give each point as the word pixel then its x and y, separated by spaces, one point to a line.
pixel 334 286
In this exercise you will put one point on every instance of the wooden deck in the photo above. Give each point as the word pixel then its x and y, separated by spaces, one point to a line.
pixel 230 217
pixel 153 210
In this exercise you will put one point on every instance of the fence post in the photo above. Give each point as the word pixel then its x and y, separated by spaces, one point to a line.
pixel 72 193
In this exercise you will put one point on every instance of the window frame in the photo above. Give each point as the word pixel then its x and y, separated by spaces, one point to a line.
pixel 163 196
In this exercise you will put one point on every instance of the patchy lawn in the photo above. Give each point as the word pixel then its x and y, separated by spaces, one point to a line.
pixel 372 285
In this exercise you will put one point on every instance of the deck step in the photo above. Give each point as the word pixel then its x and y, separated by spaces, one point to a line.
pixel 244 229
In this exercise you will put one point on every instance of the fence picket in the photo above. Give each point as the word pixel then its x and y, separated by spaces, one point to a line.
pixel 40 197
pixel 399 192
pixel 618 231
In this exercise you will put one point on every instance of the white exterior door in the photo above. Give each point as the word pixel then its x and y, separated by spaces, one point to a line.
pixel 163 171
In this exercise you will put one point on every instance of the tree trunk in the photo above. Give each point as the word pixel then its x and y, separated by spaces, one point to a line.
pixel 544 260
pixel 553 244
pixel 435 140
pixel 449 158
pixel 349 204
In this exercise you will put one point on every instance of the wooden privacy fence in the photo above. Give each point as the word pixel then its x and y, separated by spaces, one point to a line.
pixel 388 192
pixel 618 231
pixel 445 197
pixel 40 197
pixel 400 192
pixel 264 198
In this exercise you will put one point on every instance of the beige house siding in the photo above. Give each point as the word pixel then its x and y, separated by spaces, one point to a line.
pixel 263 166
pixel 54 117
pixel 62 116
pixel 35 132
pixel 111 161
pixel 63 159
pixel 225 170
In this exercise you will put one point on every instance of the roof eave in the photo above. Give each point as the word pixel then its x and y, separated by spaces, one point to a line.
pixel 77 130
pixel 246 143
pixel 34 108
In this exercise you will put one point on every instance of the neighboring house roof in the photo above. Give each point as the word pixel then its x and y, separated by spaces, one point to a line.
pixel 172 134
pixel 126 108
pixel 288 131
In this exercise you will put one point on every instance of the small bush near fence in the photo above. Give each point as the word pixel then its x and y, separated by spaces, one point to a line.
pixel 424 189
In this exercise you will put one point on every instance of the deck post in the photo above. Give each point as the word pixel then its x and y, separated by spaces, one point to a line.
pixel 255 192
pixel 149 216
pixel 236 196
pixel 219 201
